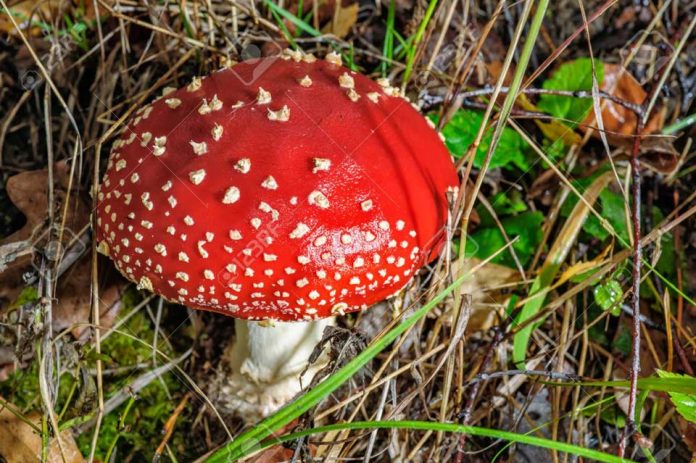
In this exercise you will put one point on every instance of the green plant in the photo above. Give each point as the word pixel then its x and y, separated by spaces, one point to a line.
pixel 460 133
pixel 574 75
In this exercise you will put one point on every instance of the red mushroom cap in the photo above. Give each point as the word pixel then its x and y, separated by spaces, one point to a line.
pixel 306 191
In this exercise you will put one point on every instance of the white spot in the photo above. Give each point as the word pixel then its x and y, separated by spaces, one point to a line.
pixel 293 200
pixel 282 115
pixel 216 132
pixel 231 195
pixel 289 270
pixel 321 164
pixel 145 138
pixel 146 224
pixel 199 148
pixel 359 262
pixel 321 273
pixel 400 225
pixel 299 231
pixel 366 205
pixel 215 103
pixel 346 81
pixel 353 95
pixel 346 239
pixel 194 85
pixel 208 274
pixel 197 176
pixel 201 250
pixel 243 165
pixel 256 222
pixel 384 225
pixel 270 183
pixel 248 272
pixel 167 186
pixel 134 178
pixel 354 281
pixel 161 249
pixel 303 260
pixel 314 294
pixel 171 230
pixel 374 97
pixel 209 236
pixel 120 165
pixel 172 102
pixel 334 58
pixel 172 201
pixel 320 241
pixel 145 197
pixel 305 81
pixel 263 97
pixel 269 257
pixel 145 283
pixel 235 235
pixel 317 198
pixel 369 236
pixel 188 220
pixel 302 283
pixel 183 276
pixel 183 257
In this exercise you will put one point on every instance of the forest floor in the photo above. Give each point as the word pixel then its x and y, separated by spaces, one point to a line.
pixel 553 346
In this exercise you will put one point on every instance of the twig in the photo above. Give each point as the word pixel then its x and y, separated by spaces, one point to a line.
pixel 549 374
pixel 169 426
pixel 630 429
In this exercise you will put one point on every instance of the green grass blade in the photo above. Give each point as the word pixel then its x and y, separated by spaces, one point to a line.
pixel 417 39
pixel 302 25
pixel 454 428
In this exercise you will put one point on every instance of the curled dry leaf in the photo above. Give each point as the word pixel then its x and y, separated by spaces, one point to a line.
pixel 28 192
pixel 620 122
pixel 489 289
pixel 20 443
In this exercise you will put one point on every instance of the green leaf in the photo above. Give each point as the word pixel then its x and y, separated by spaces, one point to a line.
pixel 572 76
pixel 526 227
pixel 608 295
pixel 684 403
pixel 460 133
pixel 611 207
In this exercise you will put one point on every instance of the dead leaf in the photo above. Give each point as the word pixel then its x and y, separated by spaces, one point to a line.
pixel 486 289
pixel 20 443
pixel 620 122
pixel 28 192
pixel 343 19
pixel 337 18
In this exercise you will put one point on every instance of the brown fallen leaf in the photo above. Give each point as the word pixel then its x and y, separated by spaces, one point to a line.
pixel 485 286
pixel 342 21
pixel 620 122
pixel 28 192
pixel 20 443
pixel 29 13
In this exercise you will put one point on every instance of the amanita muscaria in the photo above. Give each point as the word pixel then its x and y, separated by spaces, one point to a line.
pixel 280 199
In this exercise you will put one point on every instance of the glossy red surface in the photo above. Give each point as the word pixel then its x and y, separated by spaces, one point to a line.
pixel 355 206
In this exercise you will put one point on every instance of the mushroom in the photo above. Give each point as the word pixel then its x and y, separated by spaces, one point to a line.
pixel 308 193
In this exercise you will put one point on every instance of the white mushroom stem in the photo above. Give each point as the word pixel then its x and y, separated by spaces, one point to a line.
pixel 267 363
